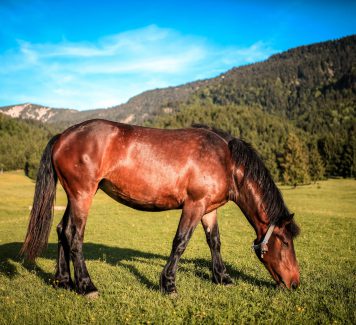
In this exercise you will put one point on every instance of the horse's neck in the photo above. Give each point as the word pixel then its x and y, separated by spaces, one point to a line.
pixel 249 200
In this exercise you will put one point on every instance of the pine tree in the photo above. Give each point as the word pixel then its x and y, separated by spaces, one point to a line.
pixel 294 162
pixel 316 165
pixel 346 161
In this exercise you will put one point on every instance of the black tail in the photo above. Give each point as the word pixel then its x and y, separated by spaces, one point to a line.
pixel 42 211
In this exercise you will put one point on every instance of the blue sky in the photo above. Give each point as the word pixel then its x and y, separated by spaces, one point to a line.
pixel 86 54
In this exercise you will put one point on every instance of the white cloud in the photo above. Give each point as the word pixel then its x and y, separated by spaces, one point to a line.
pixel 109 71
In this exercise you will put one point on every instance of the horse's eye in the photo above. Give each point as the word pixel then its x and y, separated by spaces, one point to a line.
pixel 284 244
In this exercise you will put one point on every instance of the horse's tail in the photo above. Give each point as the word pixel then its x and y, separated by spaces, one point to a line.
pixel 42 211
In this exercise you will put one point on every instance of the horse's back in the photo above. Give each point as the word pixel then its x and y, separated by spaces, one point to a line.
pixel 149 168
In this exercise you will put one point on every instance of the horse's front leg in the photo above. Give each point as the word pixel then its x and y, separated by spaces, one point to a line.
pixel 211 228
pixel 191 215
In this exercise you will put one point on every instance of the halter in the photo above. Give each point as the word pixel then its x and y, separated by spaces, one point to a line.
pixel 263 245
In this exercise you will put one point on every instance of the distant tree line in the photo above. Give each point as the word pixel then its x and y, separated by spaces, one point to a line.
pixel 22 143
pixel 289 153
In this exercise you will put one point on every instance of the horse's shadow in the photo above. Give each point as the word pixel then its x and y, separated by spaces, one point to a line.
pixel 116 256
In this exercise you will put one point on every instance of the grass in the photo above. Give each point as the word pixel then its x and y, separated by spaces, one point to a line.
pixel 126 251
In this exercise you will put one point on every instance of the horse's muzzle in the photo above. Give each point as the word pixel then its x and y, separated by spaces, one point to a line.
pixel 294 285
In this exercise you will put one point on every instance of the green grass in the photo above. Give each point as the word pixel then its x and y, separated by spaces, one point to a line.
pixel 126 251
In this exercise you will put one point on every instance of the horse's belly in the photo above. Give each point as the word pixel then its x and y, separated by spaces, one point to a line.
pixel 141 199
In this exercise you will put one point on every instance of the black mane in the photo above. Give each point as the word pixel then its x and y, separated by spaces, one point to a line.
pixel 223 134
pixel 254 169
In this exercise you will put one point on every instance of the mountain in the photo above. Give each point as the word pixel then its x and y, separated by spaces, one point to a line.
pixel 314 85
pixel 293 84
pixel 137 110
pixel 37 112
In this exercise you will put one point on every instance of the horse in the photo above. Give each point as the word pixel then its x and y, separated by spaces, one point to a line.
pixel 196 169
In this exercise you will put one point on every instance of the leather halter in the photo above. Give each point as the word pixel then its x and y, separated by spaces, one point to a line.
pixel 263 245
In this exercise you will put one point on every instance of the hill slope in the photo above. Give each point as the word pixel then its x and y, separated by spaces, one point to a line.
pixel 137 110
pixel 294 84
pixel 314 85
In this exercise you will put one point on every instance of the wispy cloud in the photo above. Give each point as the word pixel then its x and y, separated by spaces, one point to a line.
pixel 87 75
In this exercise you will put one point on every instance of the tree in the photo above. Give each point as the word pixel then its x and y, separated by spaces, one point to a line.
pixel 294 162
pixel 316 165
pixel 346 160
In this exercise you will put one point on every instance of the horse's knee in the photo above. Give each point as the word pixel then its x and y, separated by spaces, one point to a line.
pixel 67 233
pixel 62 237
pixel 213 238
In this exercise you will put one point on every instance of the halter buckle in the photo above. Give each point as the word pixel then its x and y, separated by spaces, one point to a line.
pixel 263 247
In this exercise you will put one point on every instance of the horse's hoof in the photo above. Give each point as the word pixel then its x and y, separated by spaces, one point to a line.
pixel 92 295
pixel 231 284
pixel 224 280
pixel 173 294
pixel 67 285
pixel 228 282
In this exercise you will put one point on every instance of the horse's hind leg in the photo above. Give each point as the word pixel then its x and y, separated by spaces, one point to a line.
pixel 62 277
pixel 79 209
pixel 191 215
pixel 211 228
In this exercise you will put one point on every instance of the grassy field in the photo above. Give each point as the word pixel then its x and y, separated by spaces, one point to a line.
pixel 126 251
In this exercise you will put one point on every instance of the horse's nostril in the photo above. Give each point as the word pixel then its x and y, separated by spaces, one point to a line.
pixel 294 285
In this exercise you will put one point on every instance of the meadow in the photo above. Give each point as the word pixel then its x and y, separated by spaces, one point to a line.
pixel 127 249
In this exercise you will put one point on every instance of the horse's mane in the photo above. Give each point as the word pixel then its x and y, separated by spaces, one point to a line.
pixel 254 169
pixel 223 134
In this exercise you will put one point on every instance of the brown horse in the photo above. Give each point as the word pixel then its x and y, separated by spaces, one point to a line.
pixel 196 169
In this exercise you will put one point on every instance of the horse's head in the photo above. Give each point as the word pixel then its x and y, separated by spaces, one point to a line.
pixel 276 252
